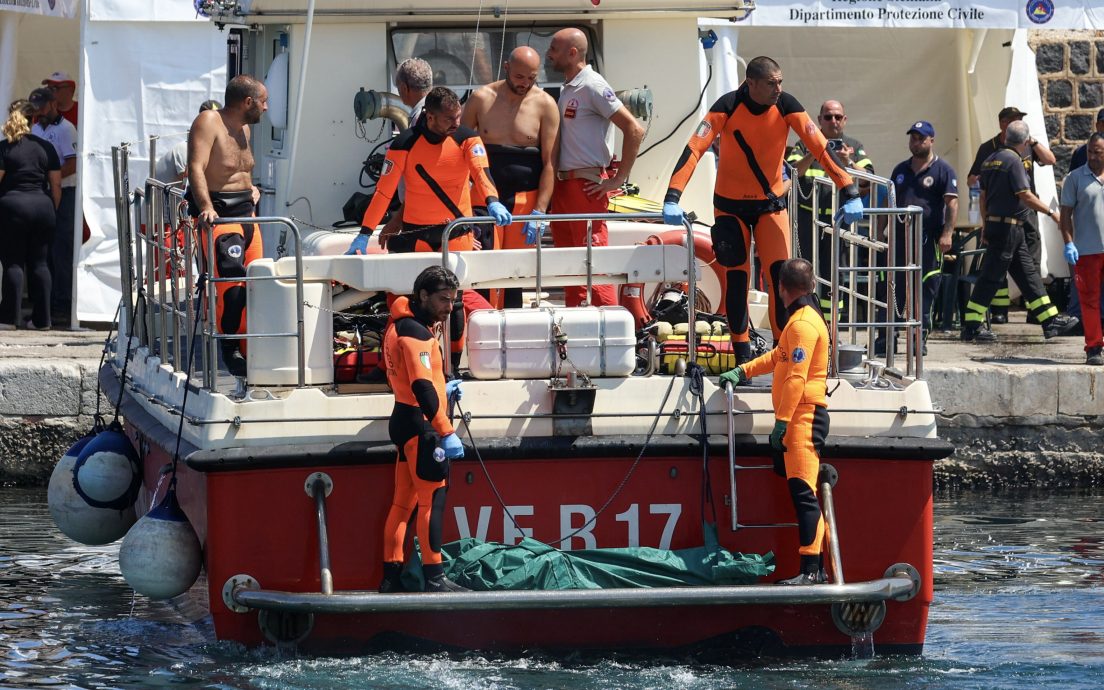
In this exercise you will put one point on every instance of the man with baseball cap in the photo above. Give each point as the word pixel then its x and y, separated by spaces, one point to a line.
pixel 51 126
pixel 927 181
pixel 1035 154
pixel 64 89
pixel 1080 156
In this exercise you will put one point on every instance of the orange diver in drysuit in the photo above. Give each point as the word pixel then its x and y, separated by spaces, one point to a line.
pixel 419 424
pixel 753 123
pixel 799 362
pixel 441 164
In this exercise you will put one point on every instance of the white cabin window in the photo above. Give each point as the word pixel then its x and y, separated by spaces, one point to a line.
pixel 462 59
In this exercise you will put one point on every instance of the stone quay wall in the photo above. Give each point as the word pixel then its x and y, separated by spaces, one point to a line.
pixel 1071 82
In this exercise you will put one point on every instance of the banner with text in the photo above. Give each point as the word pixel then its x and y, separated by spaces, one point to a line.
pixel 947 14
pixel 48 8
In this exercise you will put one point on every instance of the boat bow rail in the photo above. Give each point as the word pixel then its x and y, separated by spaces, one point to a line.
pixel 242 593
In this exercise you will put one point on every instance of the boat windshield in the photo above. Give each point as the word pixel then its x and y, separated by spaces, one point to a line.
pixel 464 58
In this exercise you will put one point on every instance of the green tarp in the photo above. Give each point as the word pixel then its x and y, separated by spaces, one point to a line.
pixel 533 565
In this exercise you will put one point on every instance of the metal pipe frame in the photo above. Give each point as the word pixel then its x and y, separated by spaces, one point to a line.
pixel 209 330
pixel 730 403
pixel 738 9
pixel 318 491
pixel 644 597
pixel 691 339
pixel 121 179
pixel 833 534
pixel 911 216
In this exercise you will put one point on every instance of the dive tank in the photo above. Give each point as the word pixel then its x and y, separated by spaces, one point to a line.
pixel 160 556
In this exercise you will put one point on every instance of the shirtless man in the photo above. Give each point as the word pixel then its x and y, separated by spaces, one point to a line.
pixel 220 167
pixel 519 123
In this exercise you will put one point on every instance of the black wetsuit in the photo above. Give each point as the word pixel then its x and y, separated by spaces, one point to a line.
pixel 516 171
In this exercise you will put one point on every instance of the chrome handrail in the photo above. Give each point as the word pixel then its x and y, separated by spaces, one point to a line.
pixel 152 264
pixel 897 587
pixel 911 219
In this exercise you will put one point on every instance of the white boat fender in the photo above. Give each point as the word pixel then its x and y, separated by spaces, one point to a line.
pixel 107 473
pixel 160 556
pixel 75 518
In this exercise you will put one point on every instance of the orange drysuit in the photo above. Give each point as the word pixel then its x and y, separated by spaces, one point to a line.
pixel 747 193
pixel 440 173
pixel 437 171
pixel 798 390
pixel 412 357
pixel 236 246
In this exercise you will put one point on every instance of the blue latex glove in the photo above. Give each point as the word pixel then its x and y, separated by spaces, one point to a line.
pixel 359 245
pixel 850 212
pixel 1071 253
pixel 454 449
pixel 777 434
pixel 497 211
pixel 452 390
pixel 534 228
pixel 673 213
pixel 735 377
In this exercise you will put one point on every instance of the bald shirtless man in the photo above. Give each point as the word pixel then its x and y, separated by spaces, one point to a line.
pixel 220 167
pixel 518 122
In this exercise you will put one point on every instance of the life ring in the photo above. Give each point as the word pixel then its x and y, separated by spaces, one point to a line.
pixel 632 294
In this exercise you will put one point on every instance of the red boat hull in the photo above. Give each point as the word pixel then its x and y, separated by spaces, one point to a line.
pixel 260 522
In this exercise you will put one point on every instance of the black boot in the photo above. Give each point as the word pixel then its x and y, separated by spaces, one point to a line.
pixel 977 334
pixel 1059 325
pixel 234 359
pixel 392 579
pixel 811 573
pixel 436 581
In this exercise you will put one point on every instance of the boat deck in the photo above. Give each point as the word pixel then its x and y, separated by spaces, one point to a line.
pixel 950 367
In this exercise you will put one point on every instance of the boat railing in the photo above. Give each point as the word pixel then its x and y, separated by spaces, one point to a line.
pixel 883 247
pixel 590 218
pixel 161 269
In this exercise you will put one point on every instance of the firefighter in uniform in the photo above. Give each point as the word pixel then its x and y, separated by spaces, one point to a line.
pixel 1035 154
pixel 832 119
pixel 799 362
pixel 1006 201
pixel 441 163
pixel 419 424
pixel 753 123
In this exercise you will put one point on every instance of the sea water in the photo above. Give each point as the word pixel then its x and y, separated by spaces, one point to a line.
pixel 1019 603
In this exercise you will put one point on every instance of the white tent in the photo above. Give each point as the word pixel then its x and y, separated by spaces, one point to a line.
pixel 145 68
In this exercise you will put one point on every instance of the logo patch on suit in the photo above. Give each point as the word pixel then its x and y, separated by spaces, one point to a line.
pixel 799 355
pixel 703 129
pixel 423 357
pixel 571 109
pixel 478 150
pixel 900 179
pixel 388 166
pixel 927 181
pixel 235 251
pixel 609 95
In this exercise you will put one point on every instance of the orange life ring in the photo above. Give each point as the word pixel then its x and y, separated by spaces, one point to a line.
pixel 632 294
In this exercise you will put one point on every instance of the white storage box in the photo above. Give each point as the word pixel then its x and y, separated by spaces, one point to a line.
pixel 518 343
